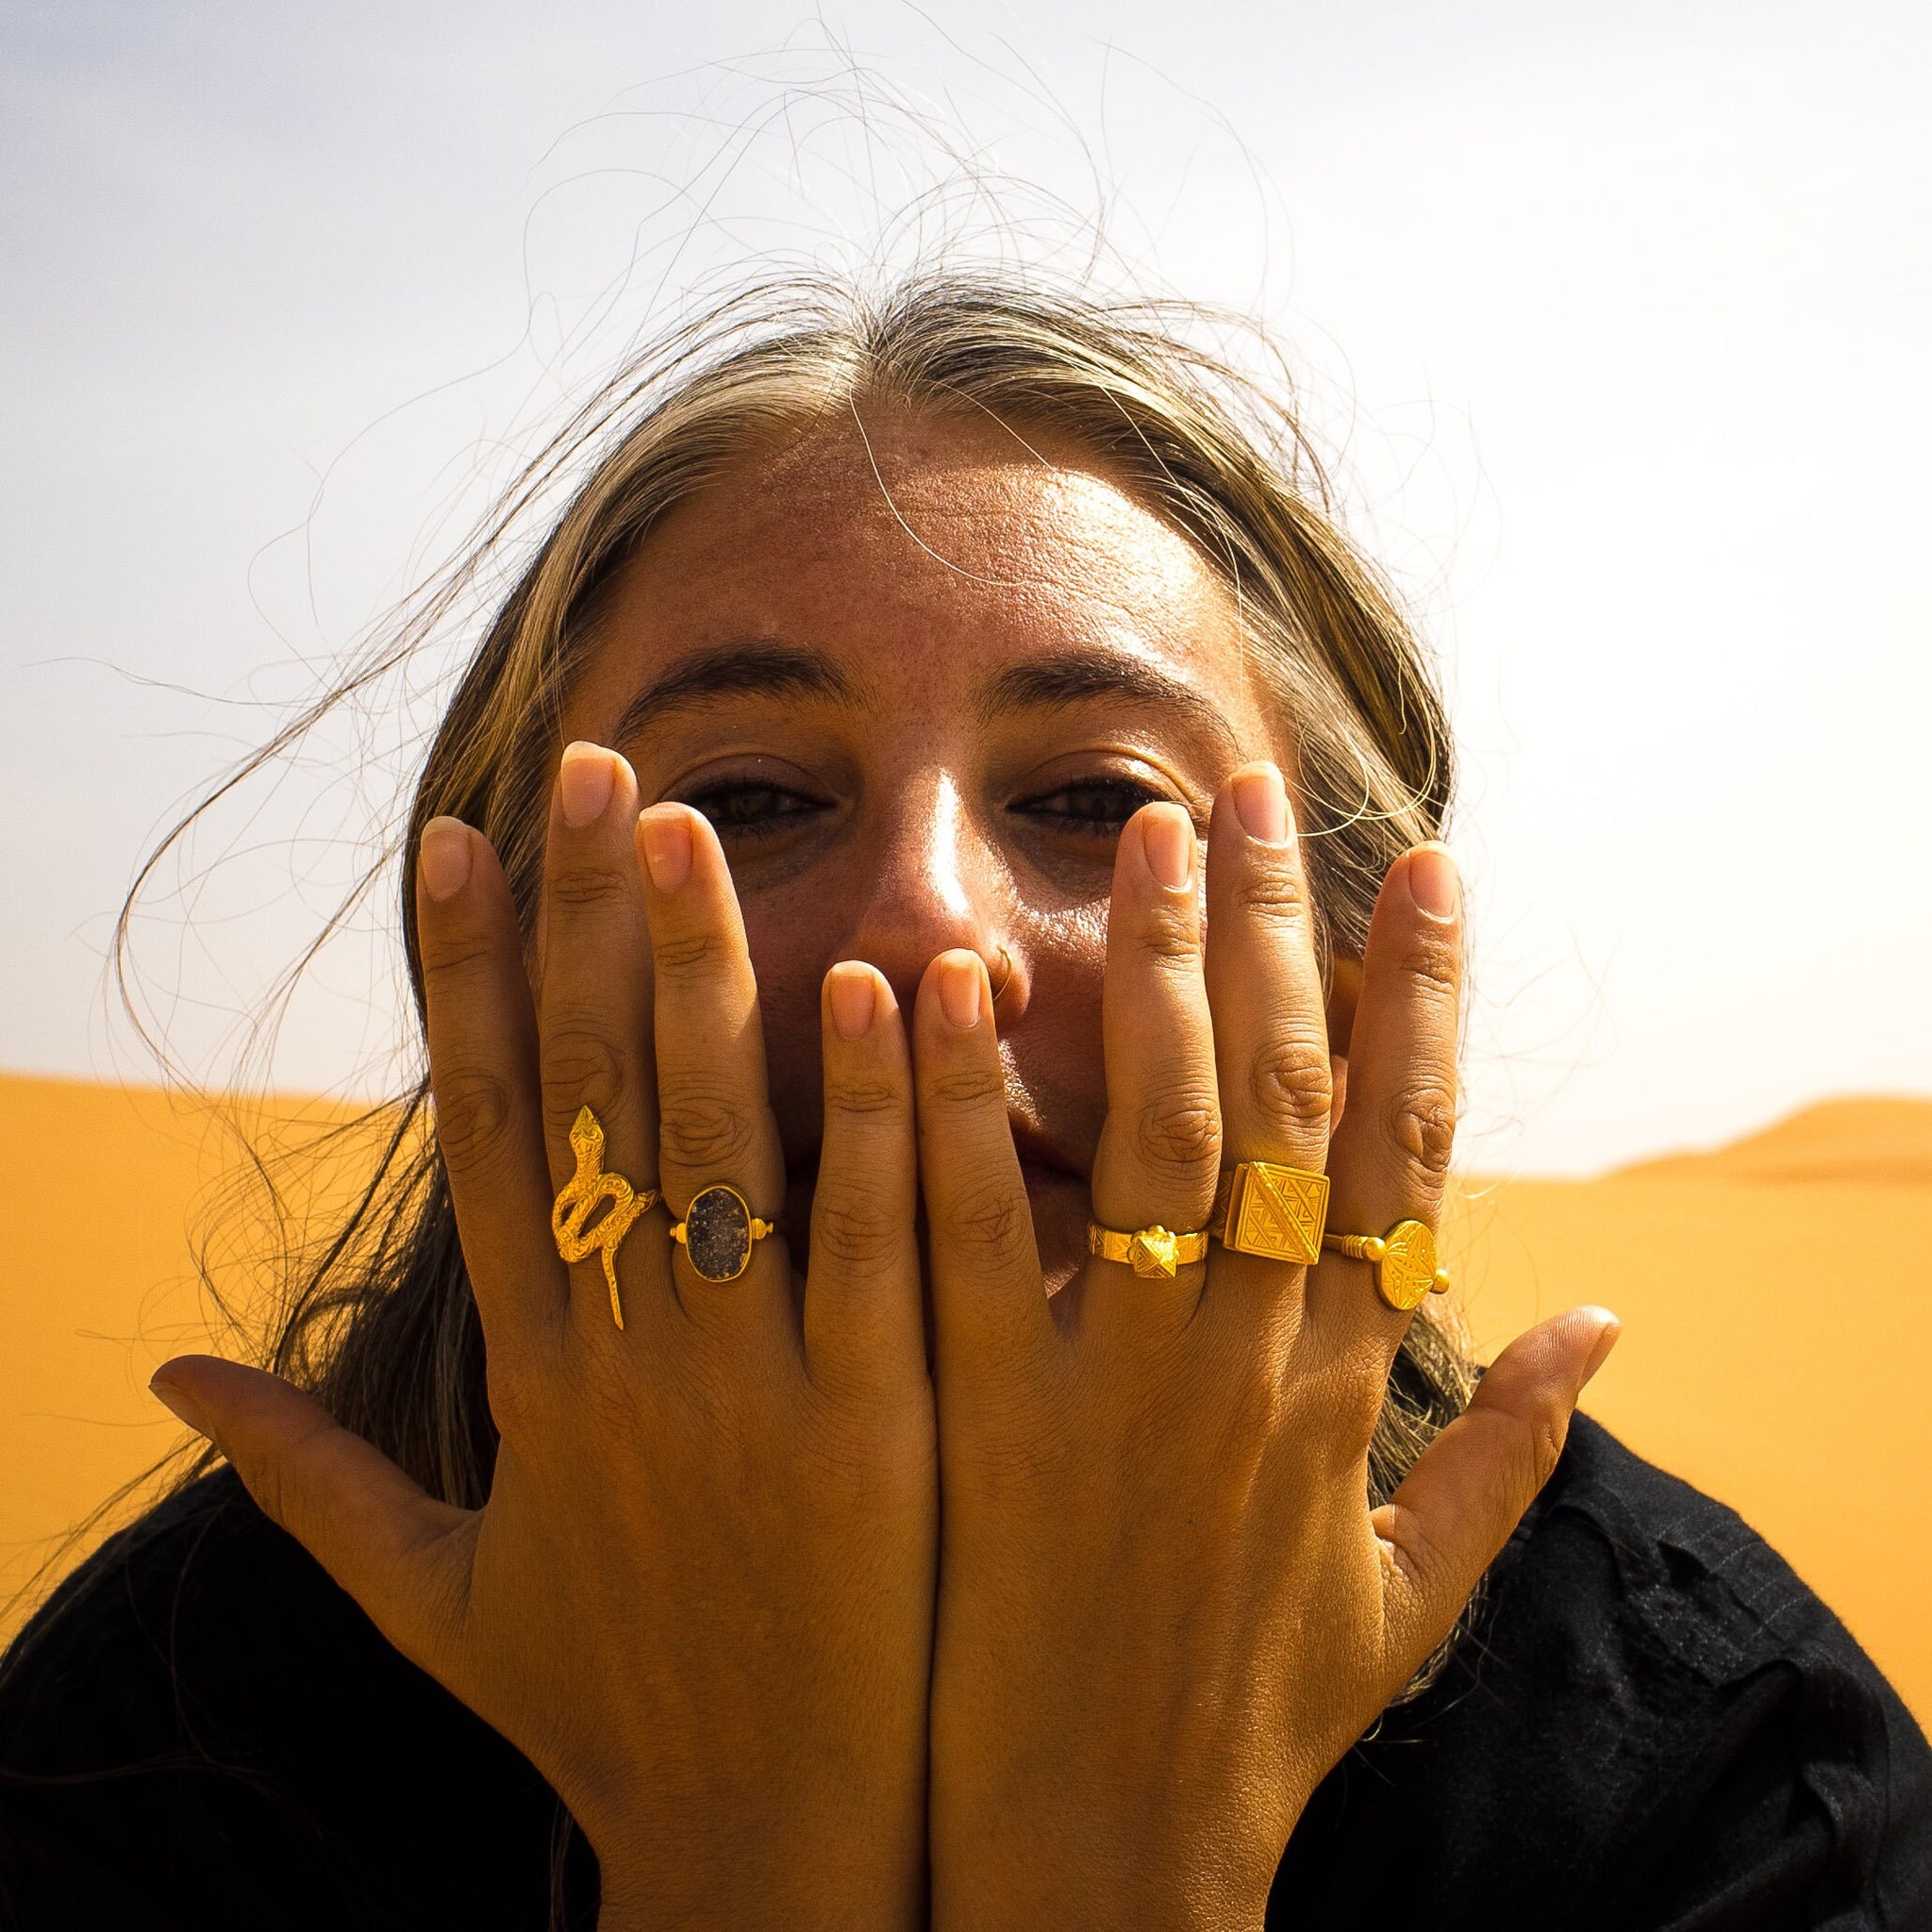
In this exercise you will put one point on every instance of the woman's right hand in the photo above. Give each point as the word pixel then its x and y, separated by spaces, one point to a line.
pixel 700 1595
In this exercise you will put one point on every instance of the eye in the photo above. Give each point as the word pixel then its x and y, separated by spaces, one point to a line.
pixel 753 808
pixel 1090 808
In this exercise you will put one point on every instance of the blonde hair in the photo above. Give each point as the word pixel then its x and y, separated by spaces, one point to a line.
pixel 381 1324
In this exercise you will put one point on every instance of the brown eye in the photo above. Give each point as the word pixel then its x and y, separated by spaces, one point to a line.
pixel 1097 808
pixel 751 811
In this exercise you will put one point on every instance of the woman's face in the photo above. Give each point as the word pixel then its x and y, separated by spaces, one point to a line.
pixel 918 679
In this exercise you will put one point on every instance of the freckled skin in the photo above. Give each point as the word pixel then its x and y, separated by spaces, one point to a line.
pixel 1092 1582
pixel 926 558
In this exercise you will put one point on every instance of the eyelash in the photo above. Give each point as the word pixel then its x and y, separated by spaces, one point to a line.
pixel 714 801
pixel 1128 796
pixel 1116 800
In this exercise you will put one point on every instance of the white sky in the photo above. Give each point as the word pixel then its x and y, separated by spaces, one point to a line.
pixel 1620 312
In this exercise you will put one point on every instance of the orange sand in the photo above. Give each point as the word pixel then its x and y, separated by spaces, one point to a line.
pixel 1776 1298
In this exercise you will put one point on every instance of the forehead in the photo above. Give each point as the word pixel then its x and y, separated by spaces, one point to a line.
pixel 927 554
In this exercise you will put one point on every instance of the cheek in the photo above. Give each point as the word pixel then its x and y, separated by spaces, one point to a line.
pixel 1053 1045
pixel 789 975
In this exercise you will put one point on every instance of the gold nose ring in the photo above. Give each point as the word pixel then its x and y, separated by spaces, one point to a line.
pixel 1006 977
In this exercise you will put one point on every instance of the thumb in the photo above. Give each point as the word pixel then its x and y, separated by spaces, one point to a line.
pixel 402 1555
pixel 1457 1505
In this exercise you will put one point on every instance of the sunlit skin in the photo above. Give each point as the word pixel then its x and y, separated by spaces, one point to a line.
pixel 919 863
pixel 928 806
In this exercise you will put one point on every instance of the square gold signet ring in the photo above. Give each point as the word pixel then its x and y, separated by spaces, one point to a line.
pixel 1265 1209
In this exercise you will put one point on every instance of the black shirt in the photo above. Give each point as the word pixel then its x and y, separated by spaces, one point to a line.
pixel 1654 1724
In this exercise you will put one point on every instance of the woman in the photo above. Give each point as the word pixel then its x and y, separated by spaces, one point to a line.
pixel 862 1413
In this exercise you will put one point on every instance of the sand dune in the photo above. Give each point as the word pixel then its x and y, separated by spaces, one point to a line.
pixel 1777 1296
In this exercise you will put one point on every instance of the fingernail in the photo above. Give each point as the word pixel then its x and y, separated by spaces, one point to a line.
pixel 443 858
pixel 1167 840
pixel 1432 882
pixel 172 1396
pixel 960 977
pixel 1600 1353
pixel 1260 802
pixel 853 1001
pixel 666 839
pixel 588 774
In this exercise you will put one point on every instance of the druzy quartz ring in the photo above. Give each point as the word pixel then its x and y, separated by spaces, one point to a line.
pixel 719 1232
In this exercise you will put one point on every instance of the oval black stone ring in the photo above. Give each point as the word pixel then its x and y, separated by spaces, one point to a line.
pixel 717 1231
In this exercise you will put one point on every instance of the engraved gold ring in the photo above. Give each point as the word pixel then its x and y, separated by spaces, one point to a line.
pixel 579 1198
pixel 1265 1209
pixel 1150 1252
pixel 1403 1260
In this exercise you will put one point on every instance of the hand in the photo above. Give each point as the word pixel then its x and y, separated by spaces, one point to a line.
pixel 1166 1607
pixel 699 1597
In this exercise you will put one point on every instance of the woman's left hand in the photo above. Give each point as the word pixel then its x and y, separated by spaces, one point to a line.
pixel 1166 1607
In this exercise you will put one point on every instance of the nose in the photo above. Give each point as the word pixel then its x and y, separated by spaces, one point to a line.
pixel 938 882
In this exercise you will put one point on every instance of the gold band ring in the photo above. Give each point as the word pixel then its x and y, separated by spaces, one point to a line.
pixel 1151 1252
pixel 578 1199
pixel 1403 1260
pixel 1265 1209
pixel 1006 977
pixel 719 1232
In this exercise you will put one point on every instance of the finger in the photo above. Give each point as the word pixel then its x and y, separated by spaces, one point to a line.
pixel 403 1556
pixel 1264 981
pixel 1161 1147
pixel 1270 1033
pixel 990 1307
pixel 1391 1156
pixel 1459 1504
pixel 482 1040
pixel 594 1019
pixel 864 1327
pixel 714 1116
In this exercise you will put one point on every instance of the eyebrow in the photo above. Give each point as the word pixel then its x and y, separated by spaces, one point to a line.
pixel 764 667
pixel 751 667
pixel 1075 677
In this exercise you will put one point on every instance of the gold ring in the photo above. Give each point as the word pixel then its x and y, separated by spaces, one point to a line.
pixel 1006 977
pixel 1152 1252
pixel 1403 1260
pixel 577 1200
pixel 1262 1208
pixel 719 1231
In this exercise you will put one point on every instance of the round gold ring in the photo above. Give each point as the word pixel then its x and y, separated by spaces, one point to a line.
pixel 1403 1260
pixel 719 1233
pixel 1150 1252
pixel 579 1197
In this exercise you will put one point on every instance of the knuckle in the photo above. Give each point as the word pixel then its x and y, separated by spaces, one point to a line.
pixel 701 1129
pixel 1422 1122
pixel 1291 1080
pixel 1170 937
pixel 584 1067
pixel 1178 1131
pixel 861 1098
pixel 584 888
pixel 986 1219
pixel 472 1115
pixel 851 1231
pixel 1434 962
pixel 450 959
pixel 698 957
pixel 1273 894
pixel 968 1088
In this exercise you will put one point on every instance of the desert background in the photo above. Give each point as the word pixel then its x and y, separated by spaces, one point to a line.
pixel 1777 1297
